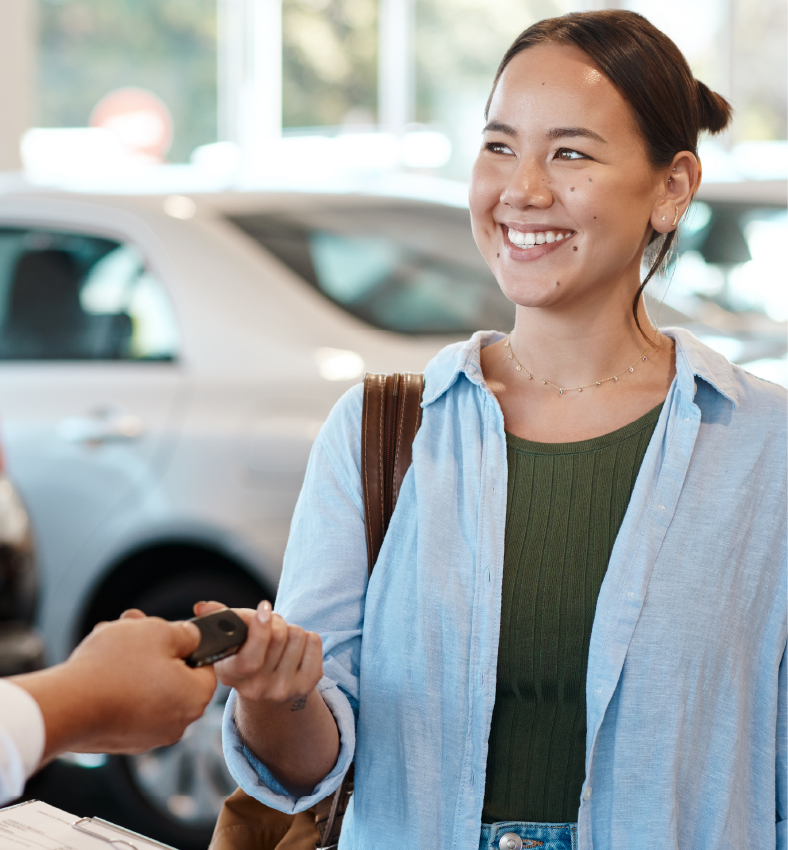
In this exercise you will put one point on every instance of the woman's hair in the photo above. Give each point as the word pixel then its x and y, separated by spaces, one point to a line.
pixel 670 106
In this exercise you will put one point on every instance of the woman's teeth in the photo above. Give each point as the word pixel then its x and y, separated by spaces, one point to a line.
pixel 528 240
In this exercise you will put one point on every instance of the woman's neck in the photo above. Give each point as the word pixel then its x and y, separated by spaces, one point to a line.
pixel 573 351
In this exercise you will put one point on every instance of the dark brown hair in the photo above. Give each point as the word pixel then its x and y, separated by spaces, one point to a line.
pixel 670 106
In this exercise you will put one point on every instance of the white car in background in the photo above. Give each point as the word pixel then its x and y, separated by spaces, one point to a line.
pixel 167 361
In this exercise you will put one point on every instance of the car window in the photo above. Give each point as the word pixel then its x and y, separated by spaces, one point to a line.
pixel 728 275
pixel 72 296
pixel 405 268
pixel 740 247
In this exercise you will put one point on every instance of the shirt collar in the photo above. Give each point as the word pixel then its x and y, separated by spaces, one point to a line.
pixel 460 357
pixel 693 358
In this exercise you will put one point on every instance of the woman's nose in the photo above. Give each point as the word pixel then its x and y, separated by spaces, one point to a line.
pixel 528 186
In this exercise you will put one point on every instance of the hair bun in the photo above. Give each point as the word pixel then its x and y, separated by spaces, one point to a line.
pixel 715 111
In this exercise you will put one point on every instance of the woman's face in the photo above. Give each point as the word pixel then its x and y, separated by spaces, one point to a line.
pixel 562 168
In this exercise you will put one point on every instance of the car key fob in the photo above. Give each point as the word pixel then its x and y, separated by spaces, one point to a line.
pixel 223 633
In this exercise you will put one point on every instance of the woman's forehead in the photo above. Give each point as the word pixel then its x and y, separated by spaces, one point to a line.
pixel 556 81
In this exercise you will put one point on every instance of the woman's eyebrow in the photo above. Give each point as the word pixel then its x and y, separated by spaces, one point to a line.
pixel 569 132
pixel 499 127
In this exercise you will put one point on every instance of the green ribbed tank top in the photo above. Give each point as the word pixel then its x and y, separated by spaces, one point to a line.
pixel 565 504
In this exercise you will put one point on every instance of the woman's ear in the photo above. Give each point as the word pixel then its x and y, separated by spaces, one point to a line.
pixel 679 182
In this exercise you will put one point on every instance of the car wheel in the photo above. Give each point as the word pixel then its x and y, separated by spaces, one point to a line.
pixel 175 793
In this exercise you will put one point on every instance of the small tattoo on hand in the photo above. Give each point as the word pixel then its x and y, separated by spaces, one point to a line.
pixel 299 704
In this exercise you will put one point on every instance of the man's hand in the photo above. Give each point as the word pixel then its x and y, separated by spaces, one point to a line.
pixel 278 663
pixel 124 689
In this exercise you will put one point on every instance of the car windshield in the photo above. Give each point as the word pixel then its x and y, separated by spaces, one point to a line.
pixel 408 268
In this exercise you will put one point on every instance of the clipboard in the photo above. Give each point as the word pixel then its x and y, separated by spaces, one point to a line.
pixel 55 829
pixel 127 840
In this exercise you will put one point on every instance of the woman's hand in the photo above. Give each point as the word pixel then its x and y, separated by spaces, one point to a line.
pixel 279 662
pixel 279 713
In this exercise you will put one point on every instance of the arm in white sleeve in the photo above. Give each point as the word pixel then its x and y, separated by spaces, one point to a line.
pixel 22 739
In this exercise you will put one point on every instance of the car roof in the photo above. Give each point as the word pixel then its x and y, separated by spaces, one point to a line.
pixel 379 189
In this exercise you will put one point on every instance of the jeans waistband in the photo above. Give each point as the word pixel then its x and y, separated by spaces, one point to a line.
pixel 518 835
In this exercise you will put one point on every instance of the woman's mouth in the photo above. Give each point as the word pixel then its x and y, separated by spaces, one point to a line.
pixel 536 242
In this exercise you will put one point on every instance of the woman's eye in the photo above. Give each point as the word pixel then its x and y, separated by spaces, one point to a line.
pixel 498 147
pixel 568 153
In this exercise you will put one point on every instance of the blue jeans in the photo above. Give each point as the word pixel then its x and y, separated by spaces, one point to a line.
pixel 545 836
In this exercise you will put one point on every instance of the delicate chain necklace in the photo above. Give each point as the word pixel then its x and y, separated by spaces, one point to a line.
pixel 562 390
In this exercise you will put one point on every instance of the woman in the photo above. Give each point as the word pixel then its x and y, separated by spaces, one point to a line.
pixel 573 634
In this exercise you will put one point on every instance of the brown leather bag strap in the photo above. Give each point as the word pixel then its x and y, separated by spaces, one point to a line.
pixel 390 419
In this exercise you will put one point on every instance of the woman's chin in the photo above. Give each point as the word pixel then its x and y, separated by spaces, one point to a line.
pixel 535 294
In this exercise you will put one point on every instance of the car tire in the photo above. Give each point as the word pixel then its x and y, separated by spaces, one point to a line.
pixel 174 793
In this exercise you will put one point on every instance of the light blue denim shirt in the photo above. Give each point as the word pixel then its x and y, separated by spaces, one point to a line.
pixel 686 688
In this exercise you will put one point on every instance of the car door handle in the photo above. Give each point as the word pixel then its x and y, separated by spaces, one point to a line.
pixel 99 428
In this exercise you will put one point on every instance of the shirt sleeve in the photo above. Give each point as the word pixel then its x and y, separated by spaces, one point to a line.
pixel 322 589
pixel 782 756
pixel 22 738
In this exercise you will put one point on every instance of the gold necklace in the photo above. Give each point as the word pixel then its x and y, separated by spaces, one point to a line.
pixel 562 390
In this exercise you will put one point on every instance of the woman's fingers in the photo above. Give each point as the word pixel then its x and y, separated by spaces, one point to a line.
pixel 291 657
pixel 277 662
pixel 247 663
pixel 310 670
pixel 313 654
pixel 276 645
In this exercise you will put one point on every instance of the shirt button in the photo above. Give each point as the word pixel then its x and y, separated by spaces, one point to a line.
pixel 510 841
pixel 587 793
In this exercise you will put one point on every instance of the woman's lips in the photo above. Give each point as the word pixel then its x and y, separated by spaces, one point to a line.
pixel 550 238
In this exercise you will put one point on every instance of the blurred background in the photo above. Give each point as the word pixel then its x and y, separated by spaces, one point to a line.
pixel 228 80
pixel 215 215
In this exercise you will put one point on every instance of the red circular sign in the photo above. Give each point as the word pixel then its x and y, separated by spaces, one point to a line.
pixel 138 118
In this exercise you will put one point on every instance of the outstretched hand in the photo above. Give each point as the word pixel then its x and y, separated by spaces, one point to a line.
pixel 279 662
pixel 124 689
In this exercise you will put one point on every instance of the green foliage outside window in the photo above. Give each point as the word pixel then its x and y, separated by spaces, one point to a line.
pixel 87 48
pixel 329 56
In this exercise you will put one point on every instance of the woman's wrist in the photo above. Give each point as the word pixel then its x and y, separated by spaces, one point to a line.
pixel 297 739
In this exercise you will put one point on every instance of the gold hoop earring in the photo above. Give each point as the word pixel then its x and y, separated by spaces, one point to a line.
pixel 675 218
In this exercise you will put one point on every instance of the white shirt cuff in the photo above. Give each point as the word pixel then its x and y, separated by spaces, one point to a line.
pixel 22 737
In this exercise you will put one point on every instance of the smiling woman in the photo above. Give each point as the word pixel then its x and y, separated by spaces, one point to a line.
pixel 574 635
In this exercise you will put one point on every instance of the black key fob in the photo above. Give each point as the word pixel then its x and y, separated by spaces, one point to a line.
pixel 223 634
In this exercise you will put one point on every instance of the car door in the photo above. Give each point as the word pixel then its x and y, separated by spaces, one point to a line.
pixel 90 387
